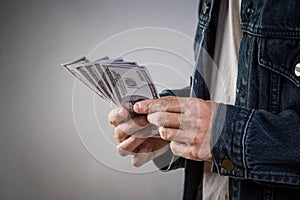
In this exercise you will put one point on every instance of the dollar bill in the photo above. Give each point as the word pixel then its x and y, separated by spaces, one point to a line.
pixel 119 82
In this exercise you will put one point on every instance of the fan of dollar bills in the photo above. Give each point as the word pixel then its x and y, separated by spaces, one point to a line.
pixel 118 82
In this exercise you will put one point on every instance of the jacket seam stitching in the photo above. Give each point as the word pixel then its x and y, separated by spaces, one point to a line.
pixel 244 141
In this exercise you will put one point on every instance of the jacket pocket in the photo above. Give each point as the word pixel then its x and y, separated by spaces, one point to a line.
pixel 280 56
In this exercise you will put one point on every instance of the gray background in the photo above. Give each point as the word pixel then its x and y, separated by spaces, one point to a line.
pixel 41 154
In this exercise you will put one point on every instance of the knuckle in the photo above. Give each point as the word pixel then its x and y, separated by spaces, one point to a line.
pixel 118 131
pixel 116 115
pixel 194 152
pixel 111 119
pixel 174 149
pixel 163 133
pixel 122 151
pixel 156 118
pixel 117 138
pixel 164 104
pixel 197 139
pixel 149 118
pixel 119 114
pixel 160 119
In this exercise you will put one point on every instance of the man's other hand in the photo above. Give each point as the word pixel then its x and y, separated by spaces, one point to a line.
pixel 186 122
pixel 135 135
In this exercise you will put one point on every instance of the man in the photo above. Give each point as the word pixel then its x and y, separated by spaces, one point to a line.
pixel 249 150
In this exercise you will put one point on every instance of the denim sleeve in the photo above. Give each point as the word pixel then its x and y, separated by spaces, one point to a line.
pixel 257 145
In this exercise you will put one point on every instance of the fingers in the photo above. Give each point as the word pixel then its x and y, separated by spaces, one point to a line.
pixel 192 152
pixel 183 150
pixel 179 135
pixel 165 119
pixel 132 144
pixel 117 115
pixel 123 130
pixel 142 156
pixel 129 146
pixel 151 149
pixel 164 104
pixel 143 150
pixel 183 121
pixel 179 149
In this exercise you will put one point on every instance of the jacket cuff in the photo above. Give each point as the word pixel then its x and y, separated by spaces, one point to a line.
pixel 228 140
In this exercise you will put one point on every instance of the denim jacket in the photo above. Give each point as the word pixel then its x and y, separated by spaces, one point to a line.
pixel 257 141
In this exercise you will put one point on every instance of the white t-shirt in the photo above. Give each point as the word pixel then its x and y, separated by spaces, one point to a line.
pixel 223 85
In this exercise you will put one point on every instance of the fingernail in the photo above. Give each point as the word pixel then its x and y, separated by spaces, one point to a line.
pixel 162 133
pixel 137 106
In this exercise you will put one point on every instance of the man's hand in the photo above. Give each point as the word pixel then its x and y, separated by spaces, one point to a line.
pixel 186 122
pixel 133 135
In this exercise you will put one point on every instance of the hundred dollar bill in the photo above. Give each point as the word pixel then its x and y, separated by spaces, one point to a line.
pixel 117 81
pixel 80 72
pixel 130 83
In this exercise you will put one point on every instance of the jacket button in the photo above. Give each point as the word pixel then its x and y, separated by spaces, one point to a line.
pixel 227 164
pixel 297 70
pixel 250 10
pixel 205 8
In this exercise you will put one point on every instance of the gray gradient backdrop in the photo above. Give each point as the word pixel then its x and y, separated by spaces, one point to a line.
pixel 41 154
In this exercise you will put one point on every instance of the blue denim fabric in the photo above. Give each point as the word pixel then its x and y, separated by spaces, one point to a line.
pixel 261 133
